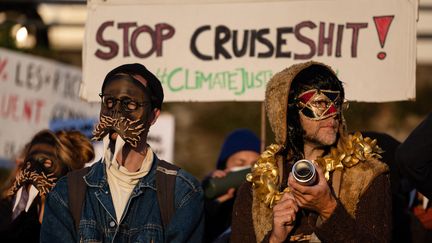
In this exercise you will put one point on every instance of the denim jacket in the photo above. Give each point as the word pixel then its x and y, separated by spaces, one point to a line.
pixel 141 220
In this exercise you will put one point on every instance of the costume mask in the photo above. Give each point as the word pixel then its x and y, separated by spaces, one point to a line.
pixel 129 130
pixel 126 116
pixel 38 175
pixel 318 104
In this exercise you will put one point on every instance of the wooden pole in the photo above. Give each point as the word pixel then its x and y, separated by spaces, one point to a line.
pixel 263 127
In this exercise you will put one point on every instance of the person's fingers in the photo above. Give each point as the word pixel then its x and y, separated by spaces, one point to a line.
pixel 290 220
pixel 290 195
pixel 287 220
pixel 218 174
pixel 224 198
pixel 287 201
pixel 320 173
pixel 299 200
pixel 227 196
pixel 284 218
pixel 295 186
pixel 285 213
pixel 231 191
pixel 286 196
pixel 302 200
pixel 288 211
pixel 318 169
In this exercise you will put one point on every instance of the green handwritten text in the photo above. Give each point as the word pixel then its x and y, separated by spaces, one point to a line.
pixel 237 81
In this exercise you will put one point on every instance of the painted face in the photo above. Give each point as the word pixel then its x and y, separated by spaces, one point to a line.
pixel 125 111
pixel 321 132
pixel 319 104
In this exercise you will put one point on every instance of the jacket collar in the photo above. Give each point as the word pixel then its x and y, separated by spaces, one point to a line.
pixel 97 176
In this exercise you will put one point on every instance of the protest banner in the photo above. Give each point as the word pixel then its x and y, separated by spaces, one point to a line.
pixel 84 126
pixel 228 51
pixel 33 92
pixel 161 137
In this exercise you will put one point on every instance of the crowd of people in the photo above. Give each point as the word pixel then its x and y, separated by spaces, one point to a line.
pixel 367 186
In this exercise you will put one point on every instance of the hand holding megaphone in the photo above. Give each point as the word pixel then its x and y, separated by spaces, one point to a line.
pixel 304 172
pixel 310 188
pixel 217 186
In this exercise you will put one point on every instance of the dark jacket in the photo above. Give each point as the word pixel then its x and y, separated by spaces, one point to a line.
pixel 369 225
pixel 25 228
pixel 414 157
pixel 217 216
pixel 141 220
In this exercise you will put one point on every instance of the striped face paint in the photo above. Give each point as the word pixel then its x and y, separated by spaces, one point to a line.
pixel 318 104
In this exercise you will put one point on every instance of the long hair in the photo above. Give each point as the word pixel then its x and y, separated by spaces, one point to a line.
pixel 74 149
pixel 312 77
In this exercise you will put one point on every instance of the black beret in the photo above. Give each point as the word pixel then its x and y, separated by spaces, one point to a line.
pixel 154 85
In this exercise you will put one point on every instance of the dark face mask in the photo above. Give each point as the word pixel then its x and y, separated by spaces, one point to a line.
pixel 34 173
pixel 36 177
pixel 124 112
pixel 40 169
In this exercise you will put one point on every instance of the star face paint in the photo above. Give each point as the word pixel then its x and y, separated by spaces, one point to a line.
pixel 319 104
pixel 125 110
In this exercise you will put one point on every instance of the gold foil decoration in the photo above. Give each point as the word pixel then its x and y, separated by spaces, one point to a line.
pixel 265 176
pixel 349 153
pixel 265 172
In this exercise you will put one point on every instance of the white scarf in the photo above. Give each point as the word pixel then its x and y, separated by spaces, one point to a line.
pixel 121 181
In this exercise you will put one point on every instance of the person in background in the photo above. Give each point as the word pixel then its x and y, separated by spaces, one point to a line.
pixel 239 151
pixel 414 158
pixel 123 200
pixel 400 188
pixel 45 159
pixel 348 201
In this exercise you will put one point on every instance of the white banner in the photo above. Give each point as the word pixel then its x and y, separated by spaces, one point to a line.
pixel 161 137
pixel 34 91
pixel 226 52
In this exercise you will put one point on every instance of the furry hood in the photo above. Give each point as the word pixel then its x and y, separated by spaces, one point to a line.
pixel 276 98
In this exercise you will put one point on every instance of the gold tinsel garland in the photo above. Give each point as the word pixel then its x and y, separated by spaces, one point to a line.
pixel 265 172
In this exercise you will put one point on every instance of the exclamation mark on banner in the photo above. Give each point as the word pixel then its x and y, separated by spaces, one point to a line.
pixel 382 24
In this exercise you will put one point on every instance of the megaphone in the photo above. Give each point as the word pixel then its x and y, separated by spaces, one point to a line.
pixel 215 187
pixel 304 172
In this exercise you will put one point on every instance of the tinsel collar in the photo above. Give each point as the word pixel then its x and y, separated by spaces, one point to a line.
pixel 348 153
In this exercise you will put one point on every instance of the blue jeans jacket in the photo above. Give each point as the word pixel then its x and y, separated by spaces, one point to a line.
pixel 141 221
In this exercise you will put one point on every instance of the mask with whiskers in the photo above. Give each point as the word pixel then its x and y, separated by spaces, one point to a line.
pixel 34 174
pixel 130 130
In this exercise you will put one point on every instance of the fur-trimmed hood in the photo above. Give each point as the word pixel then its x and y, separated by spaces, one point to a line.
pixel 276 98
pixel 351 182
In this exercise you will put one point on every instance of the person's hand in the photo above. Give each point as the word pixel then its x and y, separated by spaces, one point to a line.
pixel 284 215
pixel 230 193
pixel 317 197
pixel 218 174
